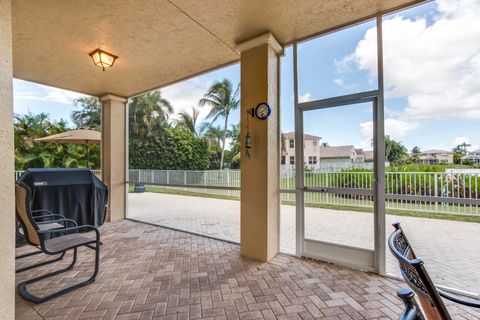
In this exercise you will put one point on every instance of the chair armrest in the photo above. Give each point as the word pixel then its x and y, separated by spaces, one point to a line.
pixel 65 220
pixel 460 300
pixel 43 233
pixel 411 311
pixel 43 210
pixel 50 215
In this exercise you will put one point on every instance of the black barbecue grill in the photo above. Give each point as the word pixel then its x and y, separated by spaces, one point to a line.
pixel 75 193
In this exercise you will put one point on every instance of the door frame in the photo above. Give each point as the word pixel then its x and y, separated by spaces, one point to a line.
pixel 344 255
pixel 350 256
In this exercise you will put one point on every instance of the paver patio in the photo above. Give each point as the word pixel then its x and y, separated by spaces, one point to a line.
pixel 149 272
pixel 449 248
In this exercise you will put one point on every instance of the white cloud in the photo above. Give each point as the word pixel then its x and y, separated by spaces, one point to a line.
pixel 305 97
pixel 435 66
pixel 45 93
pixel 186 94
pixel 396 129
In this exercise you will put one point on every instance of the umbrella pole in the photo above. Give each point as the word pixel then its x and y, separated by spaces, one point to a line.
pixel 88 156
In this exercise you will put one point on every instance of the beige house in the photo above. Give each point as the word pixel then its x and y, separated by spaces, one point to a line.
pixel 316 156
pixel 473 156
pixel 436 156
pixel 311 149
pixel 368 155
pixel 338 154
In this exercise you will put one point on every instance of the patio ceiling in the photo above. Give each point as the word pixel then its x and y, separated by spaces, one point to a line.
pixel 158 41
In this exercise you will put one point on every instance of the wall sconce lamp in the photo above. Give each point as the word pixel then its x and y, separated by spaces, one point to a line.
pixel 103 59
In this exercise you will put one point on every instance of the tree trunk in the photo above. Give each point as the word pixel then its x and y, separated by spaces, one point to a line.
pixel 223 143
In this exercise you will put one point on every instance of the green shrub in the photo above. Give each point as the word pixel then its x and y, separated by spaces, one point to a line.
pixel 175 149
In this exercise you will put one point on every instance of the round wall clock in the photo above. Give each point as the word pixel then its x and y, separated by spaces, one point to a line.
pixel 263 111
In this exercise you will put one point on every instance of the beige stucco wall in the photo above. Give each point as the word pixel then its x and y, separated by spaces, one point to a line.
pixel 113 154
pixel 311 149
pixel 260 206
pixel 7 209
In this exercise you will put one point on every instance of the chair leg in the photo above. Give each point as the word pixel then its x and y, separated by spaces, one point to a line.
pixel 22 287
pixel 411 312
pixel 36 265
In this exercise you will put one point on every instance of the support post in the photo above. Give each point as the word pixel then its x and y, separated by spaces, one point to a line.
pixel 7 194
pixel 379 162
pixel 114 154
pixel 260 174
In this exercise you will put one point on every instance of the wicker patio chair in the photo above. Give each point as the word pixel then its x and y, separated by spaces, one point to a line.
pixel 417 278
pixel 55 236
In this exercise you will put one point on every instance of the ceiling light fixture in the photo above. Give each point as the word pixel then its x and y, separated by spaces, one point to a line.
pixel 103 59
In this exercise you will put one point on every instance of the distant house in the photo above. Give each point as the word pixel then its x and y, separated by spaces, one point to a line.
pixel 473 156
pixel 359 155
pixel 338 154
pixel 368 156
pixel 436 156
pixel 311 149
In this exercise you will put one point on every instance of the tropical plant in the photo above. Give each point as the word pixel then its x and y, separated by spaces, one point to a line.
pixel 175 149
pixel 395 151
pixel 222 98
pixel 32 154
pixel 415 154
pixel 89 114
pixel 458 153
pixel 464 146
pixel 213 136
pixel 148 115
pixel 189 121
pixel 234 154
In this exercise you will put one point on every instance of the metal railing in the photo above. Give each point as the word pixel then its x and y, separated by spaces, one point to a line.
pixel 435 192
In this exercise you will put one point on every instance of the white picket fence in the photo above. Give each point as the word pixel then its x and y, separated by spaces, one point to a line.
pixel 434 192
pixel 408 191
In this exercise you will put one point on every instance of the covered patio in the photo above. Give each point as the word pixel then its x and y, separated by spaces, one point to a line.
pixel 149 272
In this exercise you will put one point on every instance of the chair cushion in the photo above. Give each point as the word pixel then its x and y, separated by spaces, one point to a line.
pixel 68 241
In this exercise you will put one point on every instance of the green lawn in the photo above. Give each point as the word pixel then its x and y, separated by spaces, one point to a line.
pixel 345 207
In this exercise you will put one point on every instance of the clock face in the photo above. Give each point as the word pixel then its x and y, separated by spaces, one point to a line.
pixel 262 111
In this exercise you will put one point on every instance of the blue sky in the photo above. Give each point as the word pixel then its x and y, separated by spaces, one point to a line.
pixel 432 76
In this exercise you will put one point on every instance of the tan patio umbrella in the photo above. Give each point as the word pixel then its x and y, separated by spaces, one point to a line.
pixel 84 136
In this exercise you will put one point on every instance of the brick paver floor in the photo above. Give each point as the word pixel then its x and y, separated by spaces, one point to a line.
pixel 148 272
pixel 449 248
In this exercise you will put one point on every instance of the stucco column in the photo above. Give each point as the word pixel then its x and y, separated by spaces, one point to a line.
pixel 113 154
pixel 260 180
pixel 7 195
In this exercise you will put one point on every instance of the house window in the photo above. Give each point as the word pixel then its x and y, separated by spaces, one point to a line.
pixel 283 160
pixel 312 160
pixel 291 143
pixel 314 143
pixel 292 159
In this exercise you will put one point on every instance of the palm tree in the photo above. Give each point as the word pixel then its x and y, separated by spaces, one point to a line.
pixel 89 114
pixel 222 99
pixel 148 115
pixel 464 146
pixel 29 153
pixel 234 134
pixel 189 121
pixel 213 135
